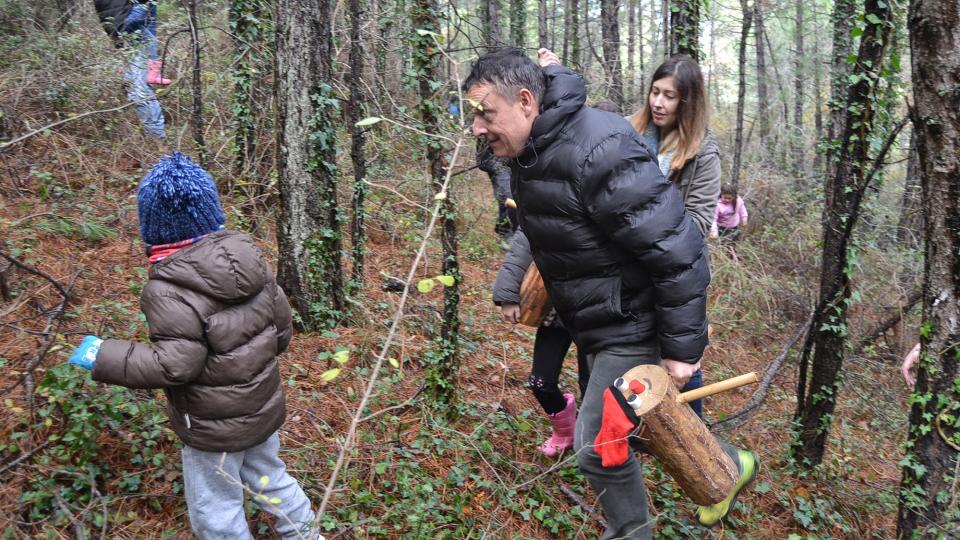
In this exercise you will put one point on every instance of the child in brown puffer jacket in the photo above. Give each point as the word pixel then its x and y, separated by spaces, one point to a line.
pixel 218 320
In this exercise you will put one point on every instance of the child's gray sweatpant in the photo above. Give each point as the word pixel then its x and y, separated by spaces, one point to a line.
pixel 215 502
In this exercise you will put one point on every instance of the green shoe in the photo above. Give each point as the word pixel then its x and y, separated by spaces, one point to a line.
pixel 709 516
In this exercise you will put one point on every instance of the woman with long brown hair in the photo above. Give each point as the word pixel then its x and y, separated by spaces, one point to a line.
pixel 673 121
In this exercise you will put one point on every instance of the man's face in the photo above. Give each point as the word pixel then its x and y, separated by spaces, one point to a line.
pixel 504 123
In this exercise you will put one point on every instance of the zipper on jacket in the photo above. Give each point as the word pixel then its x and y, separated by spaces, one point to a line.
pixel 187 418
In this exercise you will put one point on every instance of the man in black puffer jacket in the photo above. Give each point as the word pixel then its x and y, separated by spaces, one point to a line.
pixel 623 263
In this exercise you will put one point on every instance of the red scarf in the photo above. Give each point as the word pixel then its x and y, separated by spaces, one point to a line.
pixel 160 252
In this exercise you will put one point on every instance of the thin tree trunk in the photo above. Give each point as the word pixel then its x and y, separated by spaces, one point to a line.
pixel 848 180
pixel 928 490
pixel 441 382
pixel 610 35
pixel 667 31
pixel 763 100
pixel 575 48
pixel 491 24
pixel 630 87
pixel 643 76
pixel 566 32
pixel 518 22
pixel 798 157
pixel 543 33
pixel 308 236
pixel 910 224
pixel 357 155
pixel 818 160
pixel 685 28
pixel 741 95
pixel 196 114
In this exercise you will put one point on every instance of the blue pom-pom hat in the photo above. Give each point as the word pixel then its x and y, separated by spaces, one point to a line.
pixel 177 200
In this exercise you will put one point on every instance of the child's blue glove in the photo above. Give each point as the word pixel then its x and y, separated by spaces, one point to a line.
pixel 86 353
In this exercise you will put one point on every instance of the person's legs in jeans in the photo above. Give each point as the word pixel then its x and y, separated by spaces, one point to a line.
pixel 139 92
pixel 293 511
pixel 621 489
pixel 141 28
pixel 214 503
pixel 696 381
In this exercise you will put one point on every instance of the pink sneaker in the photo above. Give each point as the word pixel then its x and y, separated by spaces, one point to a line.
pixel 563 425
pixel 154 73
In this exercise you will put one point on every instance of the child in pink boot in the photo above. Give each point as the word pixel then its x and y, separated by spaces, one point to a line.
pixel 549 349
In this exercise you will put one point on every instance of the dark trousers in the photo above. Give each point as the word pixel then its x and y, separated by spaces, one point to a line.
pixel 549 349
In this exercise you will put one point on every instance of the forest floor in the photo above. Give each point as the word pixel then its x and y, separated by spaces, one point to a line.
pixel 75 455
pixel 414 474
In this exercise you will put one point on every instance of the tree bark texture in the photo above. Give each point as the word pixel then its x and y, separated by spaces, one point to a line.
pixel 357 142
pixel 910 224
pixel 685 28
pixel 844 188
pixel 196 113
pixel 442 381
pixel 741 94
pixel 543 33
pixel 631 79
pixel 518 22
pixel 763 99
pixel 308 235
pixel 491 24
pixel 610 33
pixel 798 154
pixel 928 492
pixel 575 58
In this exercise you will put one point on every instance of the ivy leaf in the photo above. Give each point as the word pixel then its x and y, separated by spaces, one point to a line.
pixel 369 121
pixel 447 281
pixel 873 19
pixel 425 285
pixel 341 356
pixel 393 362
pixel 330 374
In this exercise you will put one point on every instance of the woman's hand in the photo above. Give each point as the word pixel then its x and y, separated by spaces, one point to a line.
pixel 547 58
pixel 511 313
pixel 907 367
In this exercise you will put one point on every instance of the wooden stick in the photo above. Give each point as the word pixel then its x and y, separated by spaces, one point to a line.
pixel 717 387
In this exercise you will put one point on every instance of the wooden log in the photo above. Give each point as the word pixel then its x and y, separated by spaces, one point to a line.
pixel 676 436
pixel 534 301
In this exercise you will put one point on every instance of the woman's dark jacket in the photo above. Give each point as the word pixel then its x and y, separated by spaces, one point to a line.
pixel 622 261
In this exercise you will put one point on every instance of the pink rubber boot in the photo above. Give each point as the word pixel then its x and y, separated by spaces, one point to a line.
pixel 563 425
pixel 154 70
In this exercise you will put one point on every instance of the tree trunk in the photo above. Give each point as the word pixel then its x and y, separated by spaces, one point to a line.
pixel 910 223
pixel 642 92
pixel 518 22
pixel 928 490
pixel 308 235
pixel 357 155
pixel 844 189
pixel 741 94
pixel 667 31
pixel 763 101
pixel 610 33
pixel 685 28
pixel 196 113
pixel 818 160
pixel 798 157
pixel 630 88
pixel 441 379
pixel 491 24
pixel 543 33
pixel 575 56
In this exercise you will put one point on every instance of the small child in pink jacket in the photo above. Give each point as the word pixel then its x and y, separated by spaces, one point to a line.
pixel 729 216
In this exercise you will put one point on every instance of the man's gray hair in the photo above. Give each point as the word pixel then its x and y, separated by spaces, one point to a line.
pixel 509 70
